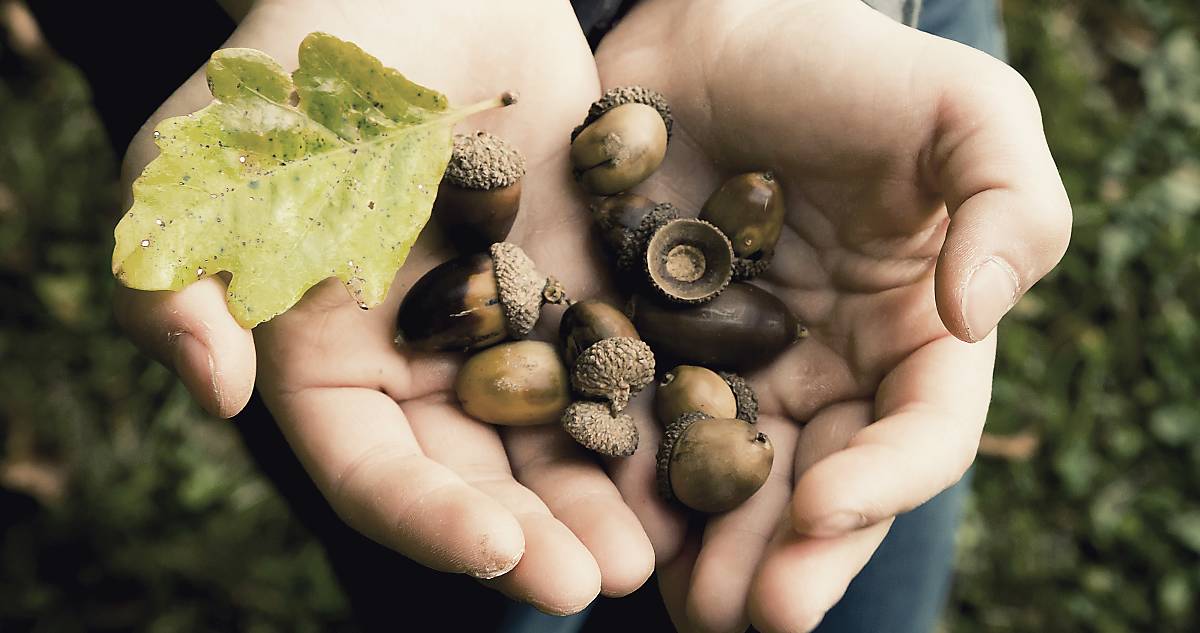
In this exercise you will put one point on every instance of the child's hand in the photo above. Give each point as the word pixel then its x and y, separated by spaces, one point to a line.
pixel 874 131
pixel 378 429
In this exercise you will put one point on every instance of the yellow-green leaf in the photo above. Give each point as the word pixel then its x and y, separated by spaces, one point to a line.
pixel 284 181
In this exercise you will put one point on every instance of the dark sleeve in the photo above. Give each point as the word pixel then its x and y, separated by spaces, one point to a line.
pixel 134 53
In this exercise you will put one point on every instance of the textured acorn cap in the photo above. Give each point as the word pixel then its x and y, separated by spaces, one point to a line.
pixel 689 260
pixel 744 268
pixel 627 94
pixel 630 254
pixel 520 287
pixel 666 448
pixel 484 161
pixel 747 400
pixel 615 369
pixel 594 426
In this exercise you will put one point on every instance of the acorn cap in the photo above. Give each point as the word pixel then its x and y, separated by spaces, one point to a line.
pixel 627 94
pixel 614 369
pixel 521 287
pixel 483 161
pixel 594 426
pixel 747 400
pixel 689 260
pixel 631 252
pixel 745 268
pixel 666 448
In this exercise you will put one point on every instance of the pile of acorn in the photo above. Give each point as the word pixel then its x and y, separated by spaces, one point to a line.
pixel 690 302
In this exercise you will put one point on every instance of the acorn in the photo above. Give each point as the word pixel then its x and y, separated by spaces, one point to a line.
pixel 689 261
pixel 475 300
pixel 588 322
pixel 622 140
pixel 688 388
pixel 519 383
pixel 748 208
pixel 480 192
pixel 593 425
pixel 614 369
pixel 712 464
pixel 743 327
pixel 626 223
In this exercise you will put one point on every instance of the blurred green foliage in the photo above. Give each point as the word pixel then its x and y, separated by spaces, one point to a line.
pixel 1100 531
pixel 121 504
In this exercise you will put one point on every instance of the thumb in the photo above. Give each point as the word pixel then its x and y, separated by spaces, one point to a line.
pixel 191 332
pixel 1010 219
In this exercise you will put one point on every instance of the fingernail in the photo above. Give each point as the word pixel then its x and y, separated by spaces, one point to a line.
pixel 837 524
pixel 195 367
pixel 991 292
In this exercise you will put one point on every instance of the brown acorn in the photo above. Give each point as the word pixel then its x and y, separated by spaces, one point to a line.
pixel 743 327
pixel 622 140
pixel 588 322
pixel 627 221
pixel 614 369
pixel 475 300
pixel 480 192
pixel 518 384
pixel 688 388
pixel 689 261
pixel 712 464
pixel 593 425
pixel 748 209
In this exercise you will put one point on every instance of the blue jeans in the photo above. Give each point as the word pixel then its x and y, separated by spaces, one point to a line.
pixel 903 588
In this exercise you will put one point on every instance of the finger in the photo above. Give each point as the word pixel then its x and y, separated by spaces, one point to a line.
pixel 931 410
pixel 800 578
pixel 557 573
pixel 192 333
pixel 582 496
pixel 734 542
pixel 357 446
pixel 636 477
pixel 1010 216
pixel 674 577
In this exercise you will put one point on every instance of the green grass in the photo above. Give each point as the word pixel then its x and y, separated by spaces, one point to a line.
pixel 137 508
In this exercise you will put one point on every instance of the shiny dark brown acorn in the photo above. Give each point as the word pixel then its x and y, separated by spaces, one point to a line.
pixel 748 208
pixel 588 322
pixel 712 464
pixel 688 388
pixel 518 383
pixel 743 327
pixel 480 193
pixel 627 221
pixel 688 261
pixel 474 301
pixel 622 140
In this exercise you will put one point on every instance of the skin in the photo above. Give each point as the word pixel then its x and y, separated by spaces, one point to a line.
pixel 912 168
pixel 527 508
pixel 921 202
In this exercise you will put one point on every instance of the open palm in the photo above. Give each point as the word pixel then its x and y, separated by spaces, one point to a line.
pixel 377 427
pixel 875 131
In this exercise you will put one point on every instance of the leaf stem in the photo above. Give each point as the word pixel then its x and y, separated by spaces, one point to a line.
pixel 506 99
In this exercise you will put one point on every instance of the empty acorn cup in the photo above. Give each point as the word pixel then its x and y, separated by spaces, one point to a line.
pixel 597 428
pixel 474 301
pixel 689 261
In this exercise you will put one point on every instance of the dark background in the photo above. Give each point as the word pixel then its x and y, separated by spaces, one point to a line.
pixel 121 504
